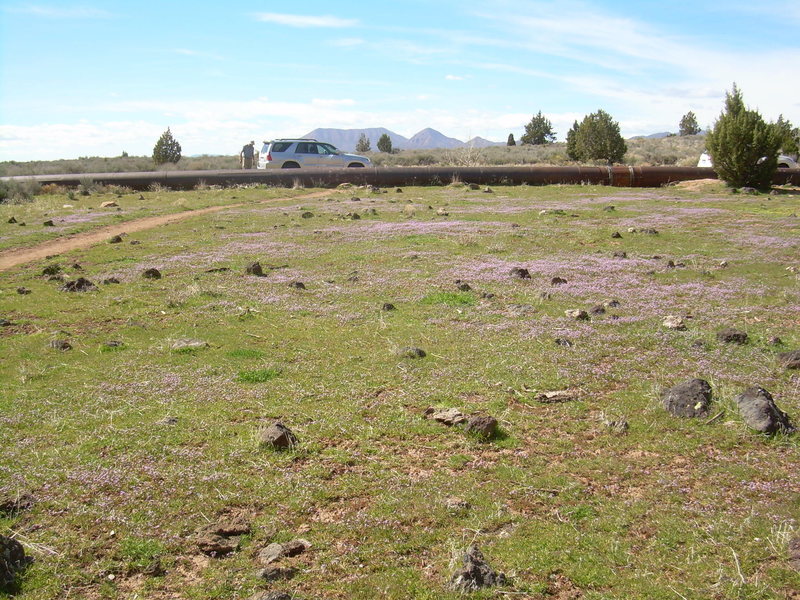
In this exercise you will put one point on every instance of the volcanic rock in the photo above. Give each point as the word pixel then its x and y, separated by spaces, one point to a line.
pixel 12 561
pixel 254 269
pixel 759 411
pixel 577 314
pixel 62 345
pixel 110 280
pixel 790 360
pixel 476 573
pixel 184 344
pixel 558 281
pixel 620 254
pixel 108 204
pixel 388 306
pixel 412 352
pixel 556 396
pixel 447 416
pixel 598 309
pixel 307 214
pixel 11 220
pixel 483 425
pixel 117 239
pixel 49 223
pixel 732 336
pixel 563 342
pixel 520 273
pixel 152 274
pixel 277 436
pixel 688 399
pixel 222 537
pixel 275 573
pixel 5 323
pixel 298 285
pixel 673 322
pixel 23 291
pixel 81 284
pixel 616 235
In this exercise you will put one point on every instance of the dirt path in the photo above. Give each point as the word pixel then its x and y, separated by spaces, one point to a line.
pixel 17 256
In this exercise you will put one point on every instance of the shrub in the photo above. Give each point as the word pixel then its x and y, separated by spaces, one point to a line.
pixel 572 141
pixel 511 141
pixel 539 131
pixel 743 147
pixel 688 124
pixel 598 138
pixel 167 149
pixel 789 136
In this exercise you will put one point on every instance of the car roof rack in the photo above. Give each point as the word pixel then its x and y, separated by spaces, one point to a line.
pixel 294 140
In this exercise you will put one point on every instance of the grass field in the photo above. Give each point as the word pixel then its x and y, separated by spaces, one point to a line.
pixel 129 450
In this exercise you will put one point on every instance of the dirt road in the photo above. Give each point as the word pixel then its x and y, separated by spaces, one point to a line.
pixel 18 256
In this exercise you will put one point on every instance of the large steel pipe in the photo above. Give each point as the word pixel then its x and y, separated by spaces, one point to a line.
pixel 404 176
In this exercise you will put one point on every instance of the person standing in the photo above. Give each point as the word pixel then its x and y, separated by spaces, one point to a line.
pixel 247 154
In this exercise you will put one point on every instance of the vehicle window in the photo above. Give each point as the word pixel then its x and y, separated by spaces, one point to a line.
pixel 280 146
pixel 306 148
pixel 327 149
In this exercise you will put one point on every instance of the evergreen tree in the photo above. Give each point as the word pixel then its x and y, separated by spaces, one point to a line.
pixel 789 136
pixel 688 125
pixel 572 148
pixel 167 149
pixel 743 147
pixel 363 144
pixel 511 141
pixel 598 138
pixel 539 131
pixel 385 144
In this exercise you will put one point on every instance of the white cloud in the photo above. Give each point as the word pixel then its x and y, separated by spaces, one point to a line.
pixel 305 20
pixel 348 42
pixel 454 78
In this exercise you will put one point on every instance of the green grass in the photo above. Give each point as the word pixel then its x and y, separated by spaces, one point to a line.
pixel 130 451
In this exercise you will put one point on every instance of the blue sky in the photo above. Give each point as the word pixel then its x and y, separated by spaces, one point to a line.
pixel 96 78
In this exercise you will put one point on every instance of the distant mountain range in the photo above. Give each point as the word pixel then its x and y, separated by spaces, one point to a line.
pixel 427 139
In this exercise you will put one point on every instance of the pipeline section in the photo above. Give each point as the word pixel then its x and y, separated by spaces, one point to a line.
pixel 401 176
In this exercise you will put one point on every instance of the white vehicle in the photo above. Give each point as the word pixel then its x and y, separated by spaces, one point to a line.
pixel 306 153
pixel 784 162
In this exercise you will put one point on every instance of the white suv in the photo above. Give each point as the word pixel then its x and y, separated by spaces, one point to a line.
pixel 306 153
pixel 784 162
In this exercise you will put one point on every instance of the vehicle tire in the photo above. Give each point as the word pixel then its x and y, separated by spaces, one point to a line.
pixel 290 165
pixel 355 166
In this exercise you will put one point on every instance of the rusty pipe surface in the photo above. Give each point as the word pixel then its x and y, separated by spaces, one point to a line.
pixel 620 176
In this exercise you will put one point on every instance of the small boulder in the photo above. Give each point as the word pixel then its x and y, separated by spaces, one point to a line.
pixel 577 314
pixel 51 270
pixel 269 554
pixel 276 573
pixel 49 223
pixel 774 341
pixel 556 397
pixel 254 269
pixel 563 342
pixel 732 336
pixel 598 309
pixel 388 306
pixel 185 344
pixel 151 274
pixel 620 254
pixel 447 416
pixel 307 214
pixel 520 273
pixel 482 425
pixel 110 280
pixel 688 399
pixel 616 235
pixel 790 360
pixel 81 284
pixel 117 239
pixel 759 412
pixel 675 323
pixel 62 345
pixel 12 561
pixel 475 573
pixel 23 291
pixel 277 436
pixel 5 323
pixel 108 204
pixel 412 352
pixel 558 281
pixel 11 220
pixel 298 285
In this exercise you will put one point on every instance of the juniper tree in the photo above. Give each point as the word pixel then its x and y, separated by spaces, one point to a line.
pixel 385 143
pixel 688 124
pixel 538 131
pixel 511 141
pixel 167 149
pixel 598 138
pixel 743 147
pixel 363 144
